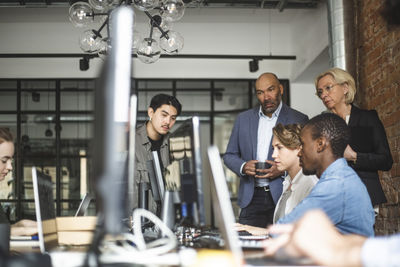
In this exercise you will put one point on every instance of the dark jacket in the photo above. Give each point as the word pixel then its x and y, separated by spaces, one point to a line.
pixel 142 155
pixel 368 139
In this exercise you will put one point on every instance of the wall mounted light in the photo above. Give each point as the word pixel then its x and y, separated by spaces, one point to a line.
pixel 84 63
pixel 253 65
pixel 35 97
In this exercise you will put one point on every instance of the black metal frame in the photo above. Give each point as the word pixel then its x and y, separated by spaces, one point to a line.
pixel 267 4
pixel 195 56
pixel 58 155
pixel 204 115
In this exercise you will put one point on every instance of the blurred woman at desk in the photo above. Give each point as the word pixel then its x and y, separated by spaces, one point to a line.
pixel 368 151
pixel 23 227
pixel 296 186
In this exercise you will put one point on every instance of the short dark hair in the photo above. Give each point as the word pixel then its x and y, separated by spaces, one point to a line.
pixel 5 135
pixel 333 128
pixel 163 99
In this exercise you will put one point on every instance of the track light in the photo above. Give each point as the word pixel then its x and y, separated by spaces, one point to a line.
pixel 253 65
pixel 48 133
pixel 84 63
pixel 35 97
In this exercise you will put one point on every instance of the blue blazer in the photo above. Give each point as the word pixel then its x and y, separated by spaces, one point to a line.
pixel 242 147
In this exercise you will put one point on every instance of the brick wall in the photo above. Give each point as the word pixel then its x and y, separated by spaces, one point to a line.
pixel 378 75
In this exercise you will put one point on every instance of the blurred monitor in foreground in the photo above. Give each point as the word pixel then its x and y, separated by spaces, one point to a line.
pixel 110 153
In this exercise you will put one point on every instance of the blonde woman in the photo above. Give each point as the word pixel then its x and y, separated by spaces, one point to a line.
pixel 368 151
pixel 296 186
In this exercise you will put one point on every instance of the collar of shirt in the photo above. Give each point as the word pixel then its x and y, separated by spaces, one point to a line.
pixel 336 167
pixel 295 181
pixel 274 115
pixel 142 137
pixel 347 119
pixel 264 133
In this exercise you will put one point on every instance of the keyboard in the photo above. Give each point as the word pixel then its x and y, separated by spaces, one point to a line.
pixel 244 233
pixel 251 244
pixel 208 241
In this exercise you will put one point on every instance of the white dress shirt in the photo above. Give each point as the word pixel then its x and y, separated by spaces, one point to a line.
pixel 301 187
pixel 264 134
pixel 264 137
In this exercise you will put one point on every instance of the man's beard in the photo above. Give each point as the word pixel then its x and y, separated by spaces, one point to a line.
pixel 275 102
pixel 270 109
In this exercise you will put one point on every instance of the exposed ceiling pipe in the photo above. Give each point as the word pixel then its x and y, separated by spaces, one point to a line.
pixel 337 51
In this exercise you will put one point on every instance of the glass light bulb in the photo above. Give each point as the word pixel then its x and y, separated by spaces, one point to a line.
pixel 105 47
pixel 89 42
pixel 173 10
pixel 137 38
pixel 173 44
pixel 146 5
pixel 101 4
pixel 80 14
pixel 148 51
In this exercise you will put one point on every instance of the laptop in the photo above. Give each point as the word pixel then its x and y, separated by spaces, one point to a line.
pixel 47 227
pixel 45 210
pixel 83 206
pixel 225 218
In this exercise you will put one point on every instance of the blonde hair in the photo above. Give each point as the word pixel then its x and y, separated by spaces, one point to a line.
pixel 341 77
pixel 5 135
pixel 288 135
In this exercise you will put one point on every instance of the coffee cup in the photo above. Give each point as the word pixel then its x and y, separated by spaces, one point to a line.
pixel 262 165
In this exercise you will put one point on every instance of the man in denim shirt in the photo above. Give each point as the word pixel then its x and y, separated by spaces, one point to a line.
pixel 314 237
pixel 339 191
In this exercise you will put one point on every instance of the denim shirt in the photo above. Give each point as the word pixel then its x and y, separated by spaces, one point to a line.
pixel 341 194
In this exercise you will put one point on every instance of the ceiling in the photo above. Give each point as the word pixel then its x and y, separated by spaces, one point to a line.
pixel 270 4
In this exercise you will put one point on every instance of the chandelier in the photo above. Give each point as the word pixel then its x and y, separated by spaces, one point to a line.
pixel 161 38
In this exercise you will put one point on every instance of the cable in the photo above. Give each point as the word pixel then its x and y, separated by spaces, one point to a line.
pixel 139 240
pixel 132 248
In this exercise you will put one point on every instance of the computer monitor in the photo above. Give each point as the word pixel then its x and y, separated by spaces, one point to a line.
pixel 111 120
pixel 83 206
pixel 184 149
pixel 156 177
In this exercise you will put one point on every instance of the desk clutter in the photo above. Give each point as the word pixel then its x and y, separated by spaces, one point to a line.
pixel 199 237
pixel 210 238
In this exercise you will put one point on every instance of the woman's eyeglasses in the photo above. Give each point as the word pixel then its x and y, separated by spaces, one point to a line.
pixel 327 89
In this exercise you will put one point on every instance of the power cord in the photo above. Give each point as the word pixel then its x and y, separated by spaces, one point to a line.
pixel 132 248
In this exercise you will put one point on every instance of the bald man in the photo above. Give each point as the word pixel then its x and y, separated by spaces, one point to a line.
pixel 250 142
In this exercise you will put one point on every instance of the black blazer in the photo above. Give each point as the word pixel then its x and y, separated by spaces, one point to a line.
pixel 368 139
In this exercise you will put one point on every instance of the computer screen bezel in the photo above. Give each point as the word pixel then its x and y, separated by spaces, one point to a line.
pixel 194 125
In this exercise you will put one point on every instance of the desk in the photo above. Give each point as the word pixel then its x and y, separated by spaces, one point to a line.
pixel 18 247
pixel 75 256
